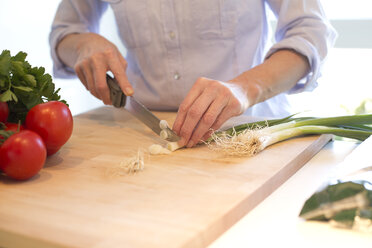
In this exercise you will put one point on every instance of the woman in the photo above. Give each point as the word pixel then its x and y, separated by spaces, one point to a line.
pixel 210 59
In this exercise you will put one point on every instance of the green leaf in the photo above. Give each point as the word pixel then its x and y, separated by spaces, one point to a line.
pixel 47 90
pixel 23 88
pixel 17 68
pixel 17 111
pixel 21 56
pixel 30 80
pixel 37 72
pixel 5 63
pixel 8 96
pixel 2 83
pixel 30 99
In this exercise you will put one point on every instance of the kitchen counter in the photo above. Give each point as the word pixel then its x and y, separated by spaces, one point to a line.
pixel 275 220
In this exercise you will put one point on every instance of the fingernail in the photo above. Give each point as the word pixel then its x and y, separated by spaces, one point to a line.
pixel 128 91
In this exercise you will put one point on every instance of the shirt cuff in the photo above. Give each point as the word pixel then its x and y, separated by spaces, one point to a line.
pixel 305 48
pixel 60 70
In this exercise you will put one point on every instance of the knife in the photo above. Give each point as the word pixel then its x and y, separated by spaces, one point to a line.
pixel 137 109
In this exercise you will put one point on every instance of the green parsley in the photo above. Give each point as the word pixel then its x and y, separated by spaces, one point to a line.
pixel 23 86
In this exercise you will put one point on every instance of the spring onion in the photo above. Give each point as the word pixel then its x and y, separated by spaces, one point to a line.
pixel 156 149
pixel 164 134
pixel 163 124
pixel 251 138
pixel 172 146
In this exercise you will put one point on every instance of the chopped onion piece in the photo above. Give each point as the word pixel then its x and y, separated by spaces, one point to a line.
pixel 172 146
pixel 164 134
pixel 156 149
pixel 163 124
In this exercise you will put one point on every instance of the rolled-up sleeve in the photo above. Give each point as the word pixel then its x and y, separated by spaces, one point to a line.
pixel 73 17
pixel 303 27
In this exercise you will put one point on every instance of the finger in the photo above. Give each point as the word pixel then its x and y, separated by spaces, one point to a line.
pixel 207 135
pixel 194 93
pixel 81 77
pixel 118 67
pixel 99 76
pixel 90 81
pixel 208 119
pixel 101 86
pixel 215 126
pixel 194 116
pixel 231 109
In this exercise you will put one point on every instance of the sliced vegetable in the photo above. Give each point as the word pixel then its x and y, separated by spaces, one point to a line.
pixel 163 124
pixel 172 146
pixel 157 149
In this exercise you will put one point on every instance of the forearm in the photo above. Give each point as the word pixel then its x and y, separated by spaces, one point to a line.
pixel 67 49
pixel 277 74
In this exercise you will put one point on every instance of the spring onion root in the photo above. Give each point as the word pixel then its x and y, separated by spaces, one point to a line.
pixel 130 165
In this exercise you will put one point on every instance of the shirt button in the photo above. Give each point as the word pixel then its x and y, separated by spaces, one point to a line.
pixel 172 35
pixel 176 76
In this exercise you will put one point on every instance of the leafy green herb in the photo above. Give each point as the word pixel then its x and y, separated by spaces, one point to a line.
pixel 24 86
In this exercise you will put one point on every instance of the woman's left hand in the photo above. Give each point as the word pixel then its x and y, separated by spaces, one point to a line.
pixel 206 107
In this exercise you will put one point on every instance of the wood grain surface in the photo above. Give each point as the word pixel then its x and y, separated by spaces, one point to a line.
pixel 186 199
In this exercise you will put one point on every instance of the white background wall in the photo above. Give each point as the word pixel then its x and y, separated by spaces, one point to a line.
pixel 25 26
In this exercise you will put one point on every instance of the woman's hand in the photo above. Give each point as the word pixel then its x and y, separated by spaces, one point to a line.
pixel 210 103
pixel 206 107
pixel 91 57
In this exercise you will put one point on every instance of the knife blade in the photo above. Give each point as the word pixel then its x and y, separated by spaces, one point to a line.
pixel 137 109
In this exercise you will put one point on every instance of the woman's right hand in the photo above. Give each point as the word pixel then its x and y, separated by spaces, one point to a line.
pixel 91 56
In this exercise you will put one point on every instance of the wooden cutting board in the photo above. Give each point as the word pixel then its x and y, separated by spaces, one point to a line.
pixel 186 199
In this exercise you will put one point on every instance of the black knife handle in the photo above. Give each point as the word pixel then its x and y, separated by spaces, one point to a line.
pixel 116 94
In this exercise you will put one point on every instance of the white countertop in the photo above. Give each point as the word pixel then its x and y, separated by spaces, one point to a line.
pixel 275 221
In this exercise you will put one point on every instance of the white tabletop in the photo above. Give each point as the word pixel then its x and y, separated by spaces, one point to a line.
pixel 275 221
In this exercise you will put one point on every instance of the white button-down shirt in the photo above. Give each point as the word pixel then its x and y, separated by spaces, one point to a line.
pixel 171 43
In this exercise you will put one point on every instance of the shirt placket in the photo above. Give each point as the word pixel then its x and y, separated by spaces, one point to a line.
pixel 173 48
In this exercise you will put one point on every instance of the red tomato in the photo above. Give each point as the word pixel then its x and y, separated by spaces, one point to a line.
pixel 22 155
pixel 53 122
pixel 4 111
